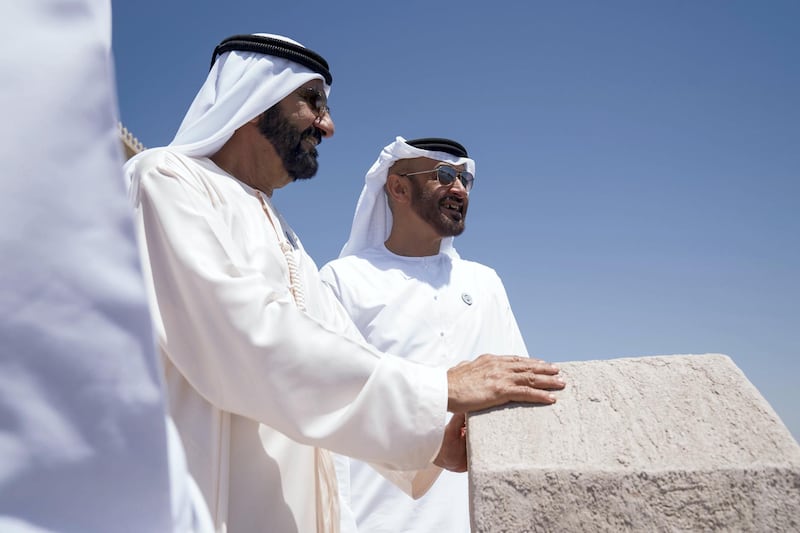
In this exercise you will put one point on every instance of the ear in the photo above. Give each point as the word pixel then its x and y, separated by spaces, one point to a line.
pixel 398 189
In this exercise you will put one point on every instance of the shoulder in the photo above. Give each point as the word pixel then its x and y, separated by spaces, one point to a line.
pixel 161 161
pixel 161 169
pixel 360 260
pixel 343 266
pixel 479 275
pixel 343 270
pixel 329 273
pixel 476 269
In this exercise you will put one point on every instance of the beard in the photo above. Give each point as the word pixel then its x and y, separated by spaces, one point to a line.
pixel 299 162
pixel 427 206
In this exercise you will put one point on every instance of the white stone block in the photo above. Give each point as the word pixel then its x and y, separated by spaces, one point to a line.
pixel 663 443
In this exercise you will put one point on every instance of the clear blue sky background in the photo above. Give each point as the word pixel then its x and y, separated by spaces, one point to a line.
pixel 638 162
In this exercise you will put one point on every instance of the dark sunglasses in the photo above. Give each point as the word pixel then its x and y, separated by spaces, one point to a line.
pixel 316 100
pixel 447 175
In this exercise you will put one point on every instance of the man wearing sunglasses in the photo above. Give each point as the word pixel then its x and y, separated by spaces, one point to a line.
pixel 408 291
pixel 265 371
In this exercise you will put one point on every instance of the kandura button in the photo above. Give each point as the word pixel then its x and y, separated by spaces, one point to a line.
pixel 467 298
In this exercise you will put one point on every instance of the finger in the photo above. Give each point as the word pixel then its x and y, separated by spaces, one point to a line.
pixel 537 367
pixel 518 359
pixel 530 395
pixel 526 360
pixel 545 382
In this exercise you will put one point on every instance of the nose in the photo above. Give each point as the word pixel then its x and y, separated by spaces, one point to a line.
pixel 458 185
pixel 324 124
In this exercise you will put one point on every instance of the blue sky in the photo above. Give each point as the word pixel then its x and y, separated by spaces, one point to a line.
pixel 638 162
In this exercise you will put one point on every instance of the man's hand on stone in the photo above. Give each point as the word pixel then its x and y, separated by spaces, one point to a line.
pixel 491 380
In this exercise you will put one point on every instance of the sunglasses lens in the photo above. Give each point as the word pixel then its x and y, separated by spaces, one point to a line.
pixel 446 175
pixel 317 100
pixel 321 104
pixel 467 178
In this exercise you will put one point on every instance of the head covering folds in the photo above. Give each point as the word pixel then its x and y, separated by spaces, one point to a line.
pixel 244 81
pixel 241 85
pixel 372 220
pixel 272 46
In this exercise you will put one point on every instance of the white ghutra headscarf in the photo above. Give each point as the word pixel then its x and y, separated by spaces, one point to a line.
pixel 372 221
pixel 240 86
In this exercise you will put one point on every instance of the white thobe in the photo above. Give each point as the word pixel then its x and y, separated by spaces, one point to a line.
pixel 436 310
pixel 85 444
pixel 238 352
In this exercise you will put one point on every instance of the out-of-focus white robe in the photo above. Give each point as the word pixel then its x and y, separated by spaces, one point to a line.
pixel 85 443
pixel 238 352
pixel 436 310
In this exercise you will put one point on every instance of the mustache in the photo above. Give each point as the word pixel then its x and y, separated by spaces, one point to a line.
pixel 311 133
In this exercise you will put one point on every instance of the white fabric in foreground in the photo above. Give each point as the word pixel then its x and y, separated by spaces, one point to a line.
pixel 85 444
pixel 372 220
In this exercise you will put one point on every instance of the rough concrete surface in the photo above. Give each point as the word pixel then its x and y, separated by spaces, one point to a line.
pixel 662 443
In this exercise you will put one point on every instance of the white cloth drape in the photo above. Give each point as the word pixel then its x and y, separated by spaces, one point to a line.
pixel 85 444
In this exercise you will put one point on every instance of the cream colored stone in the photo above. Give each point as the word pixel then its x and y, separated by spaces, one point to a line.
pixel 665 443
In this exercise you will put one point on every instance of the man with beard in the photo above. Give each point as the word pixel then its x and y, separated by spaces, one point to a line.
pixel 264 369
pixel 408 291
